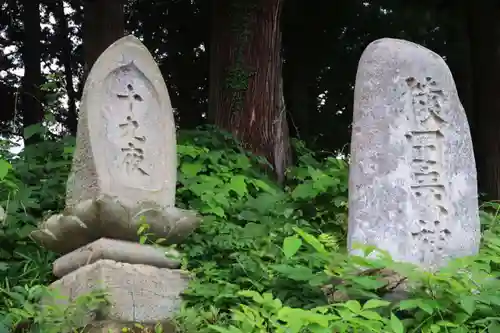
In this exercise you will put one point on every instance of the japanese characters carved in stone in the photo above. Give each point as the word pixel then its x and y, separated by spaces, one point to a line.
pixel 125 164
pixel 412 182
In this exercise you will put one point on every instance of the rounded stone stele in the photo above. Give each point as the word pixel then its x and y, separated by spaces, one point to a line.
pixel 124 171
pixel 412 178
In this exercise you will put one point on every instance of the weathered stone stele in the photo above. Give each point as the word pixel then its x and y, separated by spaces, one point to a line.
pixel 125 164
pixel 412 181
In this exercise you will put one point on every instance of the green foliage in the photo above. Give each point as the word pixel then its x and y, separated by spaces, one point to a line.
pixel 246 219
pixel 25 306
pixel 265 259
pixel 33 187
pixel 264 256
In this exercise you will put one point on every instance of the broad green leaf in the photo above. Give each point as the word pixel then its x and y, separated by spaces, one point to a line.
pixel 319 279
pixel 435 328
pixel 32 130
pixel 369 282
pixel 372 315
pixel 297 273
pixel 291 245
pixel 311 240
pixel 191 169
pixel 5 328
pixel 16 296
pixel 354 306
pixel 409 304
pixel 189 150
pixel 428 306
pixel 69 150
pixel 317 318
pixel 238 185
pixel 263 186
pixel 252 230
pixel 494 327
pixel 264 203
pixel 315 173
pixel 396 324
pixel 252 294
pixel 248 215
pixel 375 303
pixel 218 211
pixel 4 168
pixel 242 162
pixel 468 303
pixel 304 191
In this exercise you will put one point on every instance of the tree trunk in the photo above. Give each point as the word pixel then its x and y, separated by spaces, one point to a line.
pixel 32 108
pixel 246 95
pixel 65 57
pixel 484 34
pixel 103 24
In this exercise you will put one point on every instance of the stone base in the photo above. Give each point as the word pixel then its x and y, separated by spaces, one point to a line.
pixel 116 250
pixel 112 327
pixel 137 293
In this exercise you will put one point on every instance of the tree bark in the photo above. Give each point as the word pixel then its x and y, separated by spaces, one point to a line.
pixel 484 29
pixel 246 95
pixel 65 57
pixel 32 108
pixel 103 24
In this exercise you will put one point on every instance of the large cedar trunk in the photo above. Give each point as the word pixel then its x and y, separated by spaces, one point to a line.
pixel 103 24
pixel 484 28
pixel 246 95
pixel 32 108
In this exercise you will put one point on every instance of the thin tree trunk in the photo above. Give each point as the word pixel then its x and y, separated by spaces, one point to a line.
pixel 246 97
pixel 32 109
pixel 65 56
pixel 103 24
pixel 484 29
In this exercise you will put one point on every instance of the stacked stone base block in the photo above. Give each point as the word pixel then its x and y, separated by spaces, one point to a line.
pixel 116 250
pixel 112 327
pixel 137 293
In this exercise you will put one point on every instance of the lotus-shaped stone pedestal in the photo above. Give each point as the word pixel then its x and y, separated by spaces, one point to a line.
pixel 108 217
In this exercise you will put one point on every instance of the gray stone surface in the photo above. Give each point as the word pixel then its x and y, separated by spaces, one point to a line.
pixel 125 163
pixel 125 107
pixel 412 182
pixel 114 327
pixel 137 293
pixel 116 250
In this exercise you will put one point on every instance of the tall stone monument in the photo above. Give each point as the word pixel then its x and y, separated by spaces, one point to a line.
pixel 412 181
pixel 123 175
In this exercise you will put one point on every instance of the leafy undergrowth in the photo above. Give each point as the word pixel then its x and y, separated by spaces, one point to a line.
pixel 266 258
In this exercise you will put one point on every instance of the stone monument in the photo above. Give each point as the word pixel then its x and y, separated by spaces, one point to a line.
pixel 123 175
pixel 412 181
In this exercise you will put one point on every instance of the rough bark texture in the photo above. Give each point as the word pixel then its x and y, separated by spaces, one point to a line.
pixel 65 57
pixel 484 28
pixel 32 108
pixel 246 97
pixel 103 24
